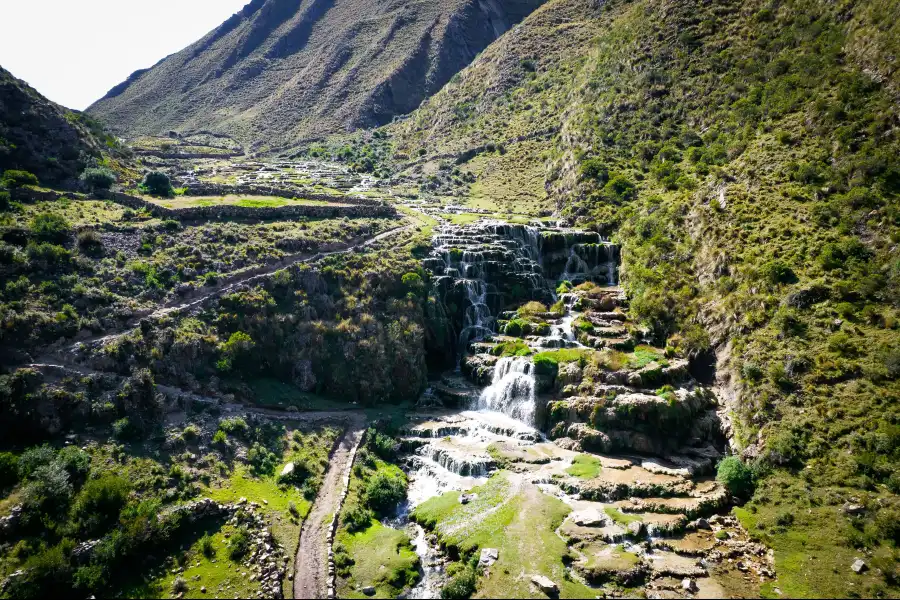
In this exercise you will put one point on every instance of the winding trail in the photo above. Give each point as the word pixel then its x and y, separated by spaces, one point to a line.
pixel 312 575
pixel 235 280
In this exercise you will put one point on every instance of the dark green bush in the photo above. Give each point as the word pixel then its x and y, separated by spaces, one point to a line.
pixel 383 445
pixel 157 183
pixel 16 179
pixel 239 545
pixel 460 586
pixel 736 477
pixel 383 493
pixel 99 502
pixel 50 227
pixel 75 461
pixel 776 271
pixel 34 458
pixel 123 430
pixel 90 242
pixel 98 178
pixel 357 518
pixel 594 169
pixel 47 255
pixel 4 200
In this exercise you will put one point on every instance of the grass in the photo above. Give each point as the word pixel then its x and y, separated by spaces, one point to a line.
pixel 244 201
pixel 584 466
pixel 278 394
pixel 644 355
pixel 621 518
pixel 813 557
pixel 462 219
pixel 521 524
pixel 222 577
pixel 383 558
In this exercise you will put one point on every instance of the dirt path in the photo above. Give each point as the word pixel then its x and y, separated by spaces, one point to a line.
pixel 311 567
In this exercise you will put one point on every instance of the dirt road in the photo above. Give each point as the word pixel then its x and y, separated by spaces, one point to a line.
pixel 311 575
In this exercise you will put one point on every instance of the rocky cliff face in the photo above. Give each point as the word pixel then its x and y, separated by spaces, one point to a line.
pixel 288 70
pixel 40 136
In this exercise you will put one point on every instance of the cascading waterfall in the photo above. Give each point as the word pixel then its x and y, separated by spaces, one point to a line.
pixel 512 390
pixel 478 320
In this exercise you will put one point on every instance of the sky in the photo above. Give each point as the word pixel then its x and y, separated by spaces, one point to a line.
pixel 74 51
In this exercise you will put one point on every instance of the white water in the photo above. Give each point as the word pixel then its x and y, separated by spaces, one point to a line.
pixel 512 390
pixel 478 319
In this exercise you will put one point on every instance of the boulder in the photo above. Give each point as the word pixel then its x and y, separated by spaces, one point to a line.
pixel 288 470
pixel 859 566
pixel 369 590
pixel 689 585
pixel 545 585
pixel 488 557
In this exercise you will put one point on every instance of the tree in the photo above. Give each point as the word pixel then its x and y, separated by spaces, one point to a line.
pixel 157 183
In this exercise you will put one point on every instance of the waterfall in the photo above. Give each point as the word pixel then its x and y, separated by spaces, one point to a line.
pixel 612 260
pixel 478 320
pixel 512 390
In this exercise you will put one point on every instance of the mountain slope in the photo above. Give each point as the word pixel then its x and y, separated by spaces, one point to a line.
pixel 42 137
pixel 745 155
pixel 281 71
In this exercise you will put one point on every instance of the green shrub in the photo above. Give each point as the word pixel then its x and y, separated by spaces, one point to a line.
pixel 47 255
pixel 34 458
pixel 383 445
pixel 460 586
pixel 356 519
pixel 90 242
pixel 776 271
pixel 413 283
pixel 594 169
pixel 4 200
pixel 207 547
pixel 383 493
pixel 75 461
pixel 220 438
pixel 261 459
pixel 234 426
pixel 50 227
pixel 238 545
pixel 157 183
pixel 98 178
pixel 16 179
pixel 123 430
pixel 736 477
pixel 99 502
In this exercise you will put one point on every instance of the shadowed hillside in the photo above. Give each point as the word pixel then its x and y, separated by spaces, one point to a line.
pixel 281 71
pixel 42 137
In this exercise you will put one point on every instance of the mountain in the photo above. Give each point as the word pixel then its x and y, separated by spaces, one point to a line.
pixel 281 71
pixel 42 137
pixel 745 156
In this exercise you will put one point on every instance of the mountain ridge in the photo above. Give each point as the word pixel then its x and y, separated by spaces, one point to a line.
pixel 282 71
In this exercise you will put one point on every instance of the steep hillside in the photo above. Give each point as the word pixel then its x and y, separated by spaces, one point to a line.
pixel 281 71
pixel 745 156
pixel 42 137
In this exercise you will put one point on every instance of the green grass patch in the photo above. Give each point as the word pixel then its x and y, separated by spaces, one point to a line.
pixel 521 525
pixel 213 570
pixel 382 557
pixel 584 466
pixel 620 517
